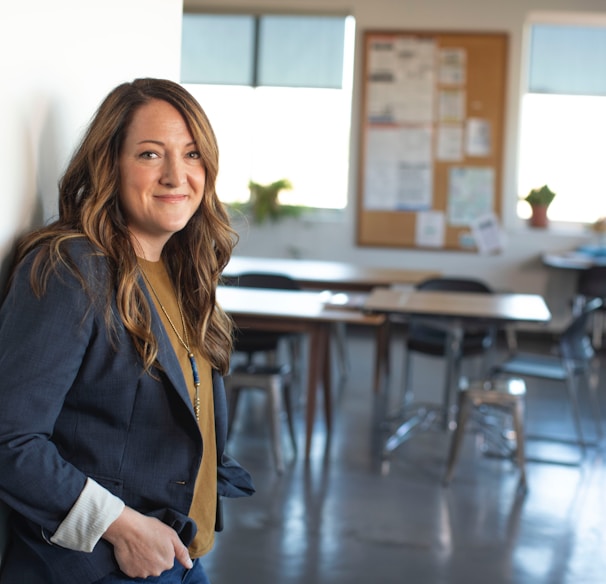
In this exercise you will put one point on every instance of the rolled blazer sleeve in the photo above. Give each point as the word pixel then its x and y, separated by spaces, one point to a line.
pixel 43 342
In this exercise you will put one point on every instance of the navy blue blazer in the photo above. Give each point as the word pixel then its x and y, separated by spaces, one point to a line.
pixel 76 404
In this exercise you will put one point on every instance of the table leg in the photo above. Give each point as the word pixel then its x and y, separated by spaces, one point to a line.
pixel 327 382
pixel 453 367
pixel 382 365
pixel 317 372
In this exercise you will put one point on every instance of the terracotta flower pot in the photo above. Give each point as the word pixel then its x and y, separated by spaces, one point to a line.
pixel 539 216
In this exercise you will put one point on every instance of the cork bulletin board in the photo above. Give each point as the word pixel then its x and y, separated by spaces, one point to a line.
pixel 431 144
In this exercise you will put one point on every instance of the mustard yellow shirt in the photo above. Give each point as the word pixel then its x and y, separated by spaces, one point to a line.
pixel 203 508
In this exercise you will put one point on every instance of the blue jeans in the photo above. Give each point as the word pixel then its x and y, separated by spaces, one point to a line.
pixel 177 575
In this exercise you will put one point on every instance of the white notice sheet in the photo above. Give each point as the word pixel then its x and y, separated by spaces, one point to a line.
pixel 470 193
pixel 399 169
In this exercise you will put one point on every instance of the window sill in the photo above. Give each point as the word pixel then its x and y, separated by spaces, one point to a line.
pixel 558 228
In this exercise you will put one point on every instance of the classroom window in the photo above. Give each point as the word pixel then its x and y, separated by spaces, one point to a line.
pixel 563 115
pixel 279 102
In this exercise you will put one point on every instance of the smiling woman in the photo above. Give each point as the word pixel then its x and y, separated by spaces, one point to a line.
pixel 112 439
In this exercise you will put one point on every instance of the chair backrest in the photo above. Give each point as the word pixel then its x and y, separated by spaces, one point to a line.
pixel 427 339
pixel 454 285
pixel 251 341
pixel 575 344
pixel 265 280
pixel 592 282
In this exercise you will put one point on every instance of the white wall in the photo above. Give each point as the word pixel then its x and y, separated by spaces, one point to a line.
pixel 519 267
pixel 58 59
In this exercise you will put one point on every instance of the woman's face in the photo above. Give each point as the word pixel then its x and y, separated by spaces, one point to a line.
pixel 161 177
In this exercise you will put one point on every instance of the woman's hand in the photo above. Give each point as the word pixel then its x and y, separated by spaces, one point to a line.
pixel 144 546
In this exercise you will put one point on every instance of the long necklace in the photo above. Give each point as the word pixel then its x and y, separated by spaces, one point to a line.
pixel 184 342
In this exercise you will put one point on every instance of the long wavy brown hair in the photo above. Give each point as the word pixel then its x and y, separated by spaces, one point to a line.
pixel 89 208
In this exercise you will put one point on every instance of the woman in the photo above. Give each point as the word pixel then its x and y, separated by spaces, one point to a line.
pixel 112 347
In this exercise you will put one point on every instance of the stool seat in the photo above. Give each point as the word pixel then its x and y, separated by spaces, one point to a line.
pixel 507 394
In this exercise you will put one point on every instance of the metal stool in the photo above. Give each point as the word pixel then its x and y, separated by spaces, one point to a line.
pixel 275 380
pixel 507 394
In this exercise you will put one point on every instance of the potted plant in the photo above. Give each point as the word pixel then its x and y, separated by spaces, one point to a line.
pixel 264 204
pixel 539 200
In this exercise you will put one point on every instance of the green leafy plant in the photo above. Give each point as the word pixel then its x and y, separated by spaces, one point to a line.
pixel 542 196
pixel 264 204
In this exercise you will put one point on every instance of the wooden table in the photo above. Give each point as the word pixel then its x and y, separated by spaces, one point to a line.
pixel 328 275
pixel 304 312
pixel 452 311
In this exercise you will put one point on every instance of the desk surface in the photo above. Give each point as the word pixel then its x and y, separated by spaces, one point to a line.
pixel 465 305
pixel 293 305
pixel 572 260
pixel 316 274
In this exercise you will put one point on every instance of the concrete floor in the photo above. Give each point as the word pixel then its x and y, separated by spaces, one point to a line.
pixel 337 520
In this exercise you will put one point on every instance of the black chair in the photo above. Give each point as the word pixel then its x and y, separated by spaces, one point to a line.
pixel 572 362
pixel 261 369
pixel 591 284
pixel 257 342
pixel 430 340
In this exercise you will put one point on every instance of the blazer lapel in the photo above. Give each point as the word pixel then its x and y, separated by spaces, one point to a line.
pixel 166 355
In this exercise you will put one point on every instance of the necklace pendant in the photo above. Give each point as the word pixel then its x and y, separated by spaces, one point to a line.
pixel 194 368
pixel 197 405
pixel 196 375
